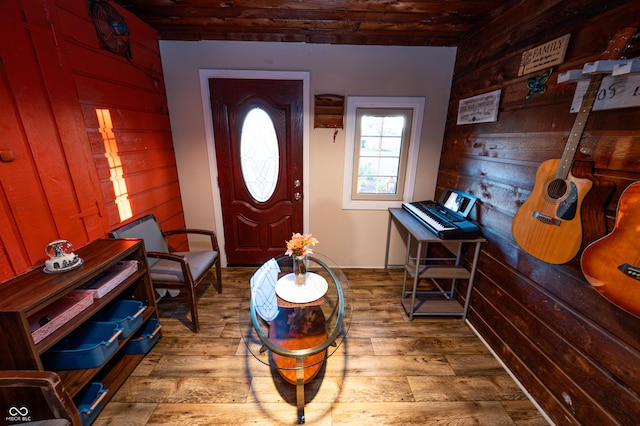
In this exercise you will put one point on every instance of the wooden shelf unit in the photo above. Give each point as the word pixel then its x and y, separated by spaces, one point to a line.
pixel 329 112
pixel 27 294
pixel 440 302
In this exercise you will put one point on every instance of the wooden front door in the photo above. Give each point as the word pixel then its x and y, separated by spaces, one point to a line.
pixel 258 128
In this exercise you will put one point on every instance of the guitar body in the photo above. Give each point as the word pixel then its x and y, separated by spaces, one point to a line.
pixel 612 263
pixel 548 225
pixel 594 219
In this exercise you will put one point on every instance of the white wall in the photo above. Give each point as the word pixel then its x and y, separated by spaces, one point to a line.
pixel 353 238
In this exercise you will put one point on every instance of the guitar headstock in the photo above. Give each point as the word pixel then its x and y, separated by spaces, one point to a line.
pixel 632 49
pixel 620 44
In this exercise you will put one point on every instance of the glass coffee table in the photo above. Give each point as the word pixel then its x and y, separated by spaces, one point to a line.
pixel 295 329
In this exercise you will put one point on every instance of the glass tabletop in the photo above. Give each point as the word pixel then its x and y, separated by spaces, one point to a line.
pixel 290 335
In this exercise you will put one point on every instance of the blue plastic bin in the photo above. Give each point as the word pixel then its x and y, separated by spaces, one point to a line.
pixel 89 402
pixel 89 346
pixel 142 342
pixel 126 313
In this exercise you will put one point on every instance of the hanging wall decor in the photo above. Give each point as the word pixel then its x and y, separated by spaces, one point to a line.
pixel 544 56
pixel 111 28
pixel 538 83
pixel 479 109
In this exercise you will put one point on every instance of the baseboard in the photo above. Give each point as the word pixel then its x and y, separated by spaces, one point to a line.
pixel 515 379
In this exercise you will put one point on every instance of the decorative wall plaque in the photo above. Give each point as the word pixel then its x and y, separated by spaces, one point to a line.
pixel 544 56
pixel 479 109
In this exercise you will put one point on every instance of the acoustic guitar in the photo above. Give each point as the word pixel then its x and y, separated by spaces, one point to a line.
pixel 612 263
pixel 548 225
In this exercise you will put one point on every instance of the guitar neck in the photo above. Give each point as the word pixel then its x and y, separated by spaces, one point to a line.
pixel 616 48
pixel 578 127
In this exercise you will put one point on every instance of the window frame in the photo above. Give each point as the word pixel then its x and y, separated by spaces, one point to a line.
pixel 416 104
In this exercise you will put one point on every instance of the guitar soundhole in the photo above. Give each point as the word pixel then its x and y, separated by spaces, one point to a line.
pixel 557 188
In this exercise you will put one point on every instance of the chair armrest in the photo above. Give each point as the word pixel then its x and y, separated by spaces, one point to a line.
pixel 167 256
pixel 49 385
pixel 186 271
pixel 211 234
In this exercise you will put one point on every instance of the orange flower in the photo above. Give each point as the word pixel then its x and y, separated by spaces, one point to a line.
pixel 299 244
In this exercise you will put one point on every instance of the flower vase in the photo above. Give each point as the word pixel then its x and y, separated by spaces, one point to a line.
pixel 300 264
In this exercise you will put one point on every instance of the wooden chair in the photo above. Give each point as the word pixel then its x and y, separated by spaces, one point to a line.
pixel 31 397
pixel 175 270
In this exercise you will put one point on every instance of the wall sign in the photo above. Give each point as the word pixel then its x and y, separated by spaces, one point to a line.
pixel 544 56
pixel 479 109
pixel 621 91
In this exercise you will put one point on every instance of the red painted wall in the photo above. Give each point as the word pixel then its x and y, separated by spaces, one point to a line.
pixel 57 85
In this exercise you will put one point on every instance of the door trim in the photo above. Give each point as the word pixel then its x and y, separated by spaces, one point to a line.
pixel 205 75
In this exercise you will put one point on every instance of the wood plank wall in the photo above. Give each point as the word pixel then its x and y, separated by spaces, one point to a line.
pixel 574 351
pixel 132 91
pixel 54 77
pixel 48 185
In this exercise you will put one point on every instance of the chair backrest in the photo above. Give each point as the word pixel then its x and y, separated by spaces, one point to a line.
pixel 263 290
pixel 147 229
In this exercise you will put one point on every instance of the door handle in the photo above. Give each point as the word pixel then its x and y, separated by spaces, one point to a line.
pixel 297 196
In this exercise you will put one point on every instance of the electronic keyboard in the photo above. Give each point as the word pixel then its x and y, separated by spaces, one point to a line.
pixel 443 223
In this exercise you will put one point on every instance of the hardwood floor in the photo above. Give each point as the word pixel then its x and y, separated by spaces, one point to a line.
pixel 389 371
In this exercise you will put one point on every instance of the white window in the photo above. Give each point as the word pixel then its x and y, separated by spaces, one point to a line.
pixel 381 151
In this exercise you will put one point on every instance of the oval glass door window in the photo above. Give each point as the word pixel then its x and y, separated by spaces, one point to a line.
pixel 259 156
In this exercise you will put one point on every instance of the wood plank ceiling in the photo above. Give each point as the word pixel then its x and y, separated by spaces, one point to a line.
pixel 360 22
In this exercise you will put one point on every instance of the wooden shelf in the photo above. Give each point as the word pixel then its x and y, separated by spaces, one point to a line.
pixel 34 291
pixel 97 304
pixel 329 111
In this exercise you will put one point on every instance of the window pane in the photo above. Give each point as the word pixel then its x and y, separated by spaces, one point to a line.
pixel 380 152
pixel 366 185
pixel 389 167
pixel 369 146
pixel 259 154
pixel 368 166
pixel 391 147
pixel 371 125
pixel 393 126
pixel 377 166
pixel 377 185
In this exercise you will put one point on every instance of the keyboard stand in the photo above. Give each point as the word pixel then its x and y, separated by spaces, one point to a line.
pixel 439 300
